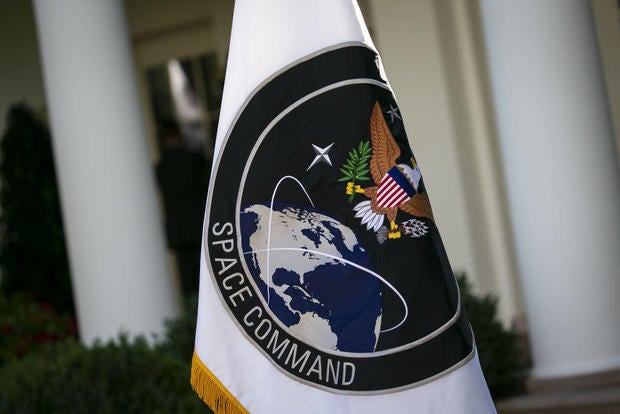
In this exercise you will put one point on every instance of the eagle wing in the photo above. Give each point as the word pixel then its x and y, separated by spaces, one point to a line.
pixel 419 206
pixel 385 150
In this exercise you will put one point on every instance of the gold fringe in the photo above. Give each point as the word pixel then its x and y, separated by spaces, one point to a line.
pixel 212 391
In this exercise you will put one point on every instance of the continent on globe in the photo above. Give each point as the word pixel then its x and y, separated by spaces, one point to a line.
pixel 314 274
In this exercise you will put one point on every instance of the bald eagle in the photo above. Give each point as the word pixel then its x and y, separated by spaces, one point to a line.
pixel 397 185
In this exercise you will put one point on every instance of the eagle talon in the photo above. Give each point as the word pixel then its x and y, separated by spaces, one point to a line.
pixel 394 232
pixel 398 187
pixel 352 188
pixel 349 190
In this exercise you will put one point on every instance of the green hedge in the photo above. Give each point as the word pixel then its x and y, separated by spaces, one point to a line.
pixel 33 256
pixel 123 377
pixel 500 356
pixel 26 325
pixel 135 377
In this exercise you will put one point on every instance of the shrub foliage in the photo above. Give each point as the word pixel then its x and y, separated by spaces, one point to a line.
pixel 26 325
pixel 124 377
pixel 135 377
pixel 498 348
pixel 32 247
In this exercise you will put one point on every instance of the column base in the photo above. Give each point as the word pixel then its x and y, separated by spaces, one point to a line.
pixel 578 369
pixel 597 393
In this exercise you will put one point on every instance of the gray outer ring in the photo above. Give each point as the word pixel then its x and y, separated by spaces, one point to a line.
pixel 259 140
pixel 214 170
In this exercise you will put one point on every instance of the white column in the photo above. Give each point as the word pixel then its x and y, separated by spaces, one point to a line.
pixel 562 177
pixel 111 214
pixel 410 47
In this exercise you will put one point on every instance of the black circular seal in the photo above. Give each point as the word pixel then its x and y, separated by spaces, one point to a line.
pixel 320 237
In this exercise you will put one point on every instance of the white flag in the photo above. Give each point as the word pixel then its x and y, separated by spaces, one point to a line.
pixel 324 285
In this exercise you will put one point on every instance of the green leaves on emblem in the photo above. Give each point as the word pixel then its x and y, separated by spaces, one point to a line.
pixel 356 167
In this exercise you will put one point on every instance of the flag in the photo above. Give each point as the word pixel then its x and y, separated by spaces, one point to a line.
pixel 324 287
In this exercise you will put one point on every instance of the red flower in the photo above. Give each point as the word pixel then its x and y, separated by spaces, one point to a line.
pixel 42 338
pixel 73 327
pixel 47 308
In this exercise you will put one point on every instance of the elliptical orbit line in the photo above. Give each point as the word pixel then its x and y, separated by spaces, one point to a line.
pixel 273 196
pixel 269 249
pixel 378 276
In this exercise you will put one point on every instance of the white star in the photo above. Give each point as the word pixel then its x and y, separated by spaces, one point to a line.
pixel 393 112
pixel 321 155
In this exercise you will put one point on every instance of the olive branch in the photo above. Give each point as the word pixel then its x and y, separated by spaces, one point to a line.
pixel 356 166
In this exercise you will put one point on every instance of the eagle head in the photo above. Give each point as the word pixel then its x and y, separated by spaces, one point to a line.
pixel 413 174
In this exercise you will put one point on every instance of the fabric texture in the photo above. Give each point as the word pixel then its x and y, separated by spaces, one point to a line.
pixel 324 283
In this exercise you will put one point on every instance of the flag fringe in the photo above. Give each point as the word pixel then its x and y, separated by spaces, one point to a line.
pixel 212 391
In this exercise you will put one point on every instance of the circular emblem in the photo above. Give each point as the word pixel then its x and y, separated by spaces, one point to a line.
pixel 320 236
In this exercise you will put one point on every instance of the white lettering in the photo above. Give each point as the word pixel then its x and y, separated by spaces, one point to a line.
pixel 316 368
pixel 351 373
pixel 264 322
pixel 223 229
pixel 301 361
pixel 273 344
pixel 226 264
pixel 228 278
pixel 246 318
pixel 227 244
pixel 334 371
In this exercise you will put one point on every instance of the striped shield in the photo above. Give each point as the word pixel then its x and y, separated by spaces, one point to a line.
pixel 394 189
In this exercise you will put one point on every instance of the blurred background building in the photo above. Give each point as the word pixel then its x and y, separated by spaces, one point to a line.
pixel 512 108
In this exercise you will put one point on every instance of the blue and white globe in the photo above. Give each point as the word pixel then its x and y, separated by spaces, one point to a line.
pixel 314 274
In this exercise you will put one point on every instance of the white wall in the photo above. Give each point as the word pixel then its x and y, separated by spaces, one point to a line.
pixel 476 140
pixel 162 30
pixel 431 54
pixel 406 36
